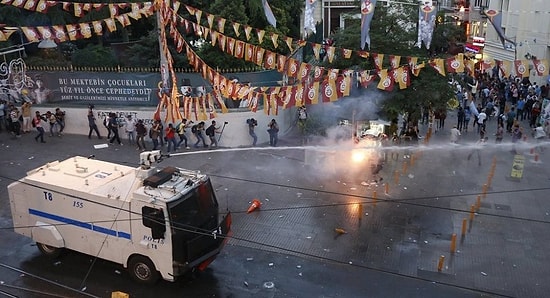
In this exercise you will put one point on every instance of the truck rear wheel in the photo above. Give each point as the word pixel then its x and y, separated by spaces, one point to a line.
pixel 143 270
pixel 50 251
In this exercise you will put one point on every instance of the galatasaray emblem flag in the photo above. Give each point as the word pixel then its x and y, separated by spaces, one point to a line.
pixel 343 83
pixel 541 67
pixel 367 11
pixel 386 80
pixel 328 91
pixel 521 68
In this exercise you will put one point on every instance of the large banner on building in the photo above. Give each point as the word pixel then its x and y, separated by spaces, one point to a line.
pixel 95 88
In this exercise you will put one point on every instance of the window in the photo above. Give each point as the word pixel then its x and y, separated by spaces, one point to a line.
pixel 154 218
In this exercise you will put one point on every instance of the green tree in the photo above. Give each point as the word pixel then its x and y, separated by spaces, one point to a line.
pixel 393 32
pixel 94 56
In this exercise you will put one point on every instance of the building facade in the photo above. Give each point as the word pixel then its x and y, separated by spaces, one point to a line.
pixel 526 25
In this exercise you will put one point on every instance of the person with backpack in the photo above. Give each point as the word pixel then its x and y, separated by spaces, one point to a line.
pixel 197 131
pixel 180 130
pixel 211 133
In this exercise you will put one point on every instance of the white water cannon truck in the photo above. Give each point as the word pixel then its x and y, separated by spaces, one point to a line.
pixel 155 222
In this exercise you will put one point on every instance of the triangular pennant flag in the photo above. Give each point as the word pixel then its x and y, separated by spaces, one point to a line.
pixel 260 34
pixel 60 35
pixel 316 50
pixel 221 25
pixel 210 20
pixel 247 31
pixel 249 52
pixel 30 33
pixel 288 42
pixel 236 29
pixel 330 53
pixel 275 39
pixel 44 32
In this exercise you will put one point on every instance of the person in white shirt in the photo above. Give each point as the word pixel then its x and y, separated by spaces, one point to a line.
pixel 481 118
pixel 455 133
pixel 131 129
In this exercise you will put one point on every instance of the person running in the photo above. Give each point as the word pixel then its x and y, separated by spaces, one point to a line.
pixel 197 131
pixel 38 122
pixel 92 125
pixel 211 133
pixel 141 132
pixel 180 130
pixel 113 126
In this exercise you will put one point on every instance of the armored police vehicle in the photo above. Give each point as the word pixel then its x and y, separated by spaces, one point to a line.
pixel 155 222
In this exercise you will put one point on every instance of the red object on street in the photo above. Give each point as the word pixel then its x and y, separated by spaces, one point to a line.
pixel 255 205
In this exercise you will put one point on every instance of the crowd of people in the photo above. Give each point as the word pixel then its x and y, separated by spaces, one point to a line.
pixel 515 104
pixel 119 130
pixel 19 120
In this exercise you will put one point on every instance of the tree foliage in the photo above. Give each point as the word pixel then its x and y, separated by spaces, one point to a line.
pixel 393 32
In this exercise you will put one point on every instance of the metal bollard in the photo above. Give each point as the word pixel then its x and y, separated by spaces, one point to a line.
pixel 472 212
pixel 453 243
pixel 464 227
pixel 440 263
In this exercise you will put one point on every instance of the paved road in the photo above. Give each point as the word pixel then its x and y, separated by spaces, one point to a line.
pixel 392 242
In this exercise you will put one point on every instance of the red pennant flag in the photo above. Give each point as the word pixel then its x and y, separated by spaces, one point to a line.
pixel 386 80
pixel 249 52
pixel 541 67
pixel 239 49
pixel 292 70
pixel 270 57
pixel 259 56
pixel 378 59
pixel 304 71
pixel 343 86
pixel 318 73
pixel 312 93
pixel 281 63
pixel 365 78
pixel 521 68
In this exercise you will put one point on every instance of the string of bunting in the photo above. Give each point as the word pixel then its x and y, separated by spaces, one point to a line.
pixel 79 9
pixel 61 33
pixel 458 63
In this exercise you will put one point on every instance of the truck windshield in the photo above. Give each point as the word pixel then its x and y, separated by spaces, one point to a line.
pixel 197 210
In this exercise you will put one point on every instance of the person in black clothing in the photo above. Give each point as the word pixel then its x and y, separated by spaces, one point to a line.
pixel 113 126
pixel 141 131
pixel 92 125
pixel 460 116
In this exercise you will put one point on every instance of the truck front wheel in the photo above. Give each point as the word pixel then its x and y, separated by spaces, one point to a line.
pixel 143 270
pixel 50 251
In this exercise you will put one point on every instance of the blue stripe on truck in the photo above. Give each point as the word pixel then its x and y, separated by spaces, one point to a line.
pixel 80 224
